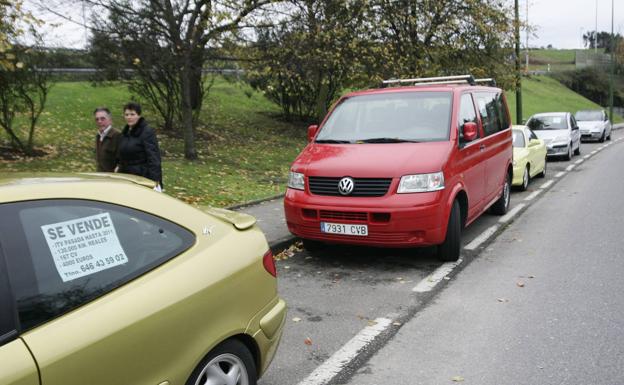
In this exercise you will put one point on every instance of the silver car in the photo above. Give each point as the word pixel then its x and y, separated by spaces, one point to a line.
pixel 594 125
pixel 559 131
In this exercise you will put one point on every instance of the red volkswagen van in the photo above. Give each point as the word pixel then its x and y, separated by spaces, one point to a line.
pixel 409 164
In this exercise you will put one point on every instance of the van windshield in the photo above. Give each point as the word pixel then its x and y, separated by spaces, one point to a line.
pixel 389 118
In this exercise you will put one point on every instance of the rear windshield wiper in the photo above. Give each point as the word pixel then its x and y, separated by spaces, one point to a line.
pixel 386 140
pixel 331 141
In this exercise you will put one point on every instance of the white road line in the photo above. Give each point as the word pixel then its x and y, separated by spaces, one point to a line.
pixel 547 184
pixel 579 161
pixel 512 213
pixel 533 195
pixel 570 167
pixel 434 278
pixel 328 370
pixel 481 238
pixel 593 152
pixel 560 174
pixel 586 157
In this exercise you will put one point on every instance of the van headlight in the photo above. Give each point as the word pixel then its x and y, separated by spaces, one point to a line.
pixel 421 183
pixel 296 180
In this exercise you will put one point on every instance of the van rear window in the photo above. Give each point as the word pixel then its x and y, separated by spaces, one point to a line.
pixel 390 118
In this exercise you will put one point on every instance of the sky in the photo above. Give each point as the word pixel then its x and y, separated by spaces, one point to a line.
pixel 562 23
pixel 557 22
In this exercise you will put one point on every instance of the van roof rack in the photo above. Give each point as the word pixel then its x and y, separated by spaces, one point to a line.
pixel 457 79
pixel 489 81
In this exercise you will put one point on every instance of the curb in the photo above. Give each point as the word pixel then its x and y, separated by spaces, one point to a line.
pixel 254 202
pixel 279 245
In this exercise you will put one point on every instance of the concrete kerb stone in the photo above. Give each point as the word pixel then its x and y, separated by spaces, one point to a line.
pixel 254 202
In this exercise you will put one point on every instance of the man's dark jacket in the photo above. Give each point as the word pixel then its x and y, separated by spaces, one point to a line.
pixel 106 151
pixel 139 153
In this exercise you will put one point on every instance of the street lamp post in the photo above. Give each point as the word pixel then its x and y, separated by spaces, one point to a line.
pixel 518 77
pixel 612 66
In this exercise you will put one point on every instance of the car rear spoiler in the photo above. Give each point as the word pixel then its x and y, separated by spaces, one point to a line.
pixel 241 221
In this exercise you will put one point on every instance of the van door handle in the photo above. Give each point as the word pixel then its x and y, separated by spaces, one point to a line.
pixel 482 147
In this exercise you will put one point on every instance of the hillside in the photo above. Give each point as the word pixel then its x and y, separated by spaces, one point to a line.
pixel 544 94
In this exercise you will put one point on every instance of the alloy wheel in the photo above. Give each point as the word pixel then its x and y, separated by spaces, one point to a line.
pixel 224 369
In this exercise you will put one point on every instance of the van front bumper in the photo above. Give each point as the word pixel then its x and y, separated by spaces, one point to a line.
pixel 399 220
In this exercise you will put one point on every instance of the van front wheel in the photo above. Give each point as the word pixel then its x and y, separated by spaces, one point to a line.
pixel 448 251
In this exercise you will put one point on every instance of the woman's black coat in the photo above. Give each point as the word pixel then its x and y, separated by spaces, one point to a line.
pixel 139 153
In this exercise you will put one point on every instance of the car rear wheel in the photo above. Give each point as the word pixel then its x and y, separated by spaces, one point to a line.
pixel 449 250
pixel 230 363
pixel 501 206
pixel 543 173
pixel 525 179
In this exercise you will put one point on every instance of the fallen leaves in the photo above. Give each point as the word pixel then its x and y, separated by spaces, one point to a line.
pixel 458 379
pixel 308 341
pixel 296 319
pixel 289 252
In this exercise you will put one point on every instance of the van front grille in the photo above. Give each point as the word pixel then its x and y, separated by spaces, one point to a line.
pixel 363 187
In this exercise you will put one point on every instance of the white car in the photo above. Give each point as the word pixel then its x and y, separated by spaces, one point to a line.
pixel 594 125
pixel 559 131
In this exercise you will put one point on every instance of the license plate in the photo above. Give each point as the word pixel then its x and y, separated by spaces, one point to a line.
pixel 344 229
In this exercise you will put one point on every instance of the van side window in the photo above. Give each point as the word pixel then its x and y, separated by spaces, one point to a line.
pixel 467 114
pixel 489 112
pixel 502 112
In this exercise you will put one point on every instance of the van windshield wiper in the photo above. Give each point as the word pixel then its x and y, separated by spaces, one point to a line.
pixel 331 141
pixel 386 140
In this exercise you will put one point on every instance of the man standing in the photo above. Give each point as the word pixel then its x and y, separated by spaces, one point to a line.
pixel 106 141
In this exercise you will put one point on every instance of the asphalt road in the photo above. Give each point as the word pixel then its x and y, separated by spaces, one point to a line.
pixel 479 326
pixel 564 326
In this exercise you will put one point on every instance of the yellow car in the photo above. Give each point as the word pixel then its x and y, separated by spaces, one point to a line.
pixel 104 281
pixel 529 157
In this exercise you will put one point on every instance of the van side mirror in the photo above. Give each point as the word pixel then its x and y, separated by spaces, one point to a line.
pixel 312 132
pixel 470 131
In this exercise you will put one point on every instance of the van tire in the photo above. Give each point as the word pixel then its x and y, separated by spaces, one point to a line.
pixel 501 206
pixel 448 251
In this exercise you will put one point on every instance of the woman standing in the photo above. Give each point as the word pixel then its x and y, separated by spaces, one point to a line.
pixel 138 148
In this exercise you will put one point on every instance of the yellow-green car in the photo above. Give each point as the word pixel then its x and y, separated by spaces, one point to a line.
pixel 529 157
pixel 104 281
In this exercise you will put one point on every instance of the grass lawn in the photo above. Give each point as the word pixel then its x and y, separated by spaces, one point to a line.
pixel 245 150
pixel 545 94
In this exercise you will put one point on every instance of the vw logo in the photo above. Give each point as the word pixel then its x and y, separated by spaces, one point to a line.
pixel 345 186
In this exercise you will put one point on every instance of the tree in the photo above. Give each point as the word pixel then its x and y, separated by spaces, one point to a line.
pixel 23 87
pixel 303 62
pixel 445 37
pixel 165 42
pixel 603 41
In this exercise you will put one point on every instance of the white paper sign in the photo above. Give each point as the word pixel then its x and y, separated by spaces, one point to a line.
pixel 84 246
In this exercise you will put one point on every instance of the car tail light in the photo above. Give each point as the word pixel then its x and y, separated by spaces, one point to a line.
pixel 269 263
